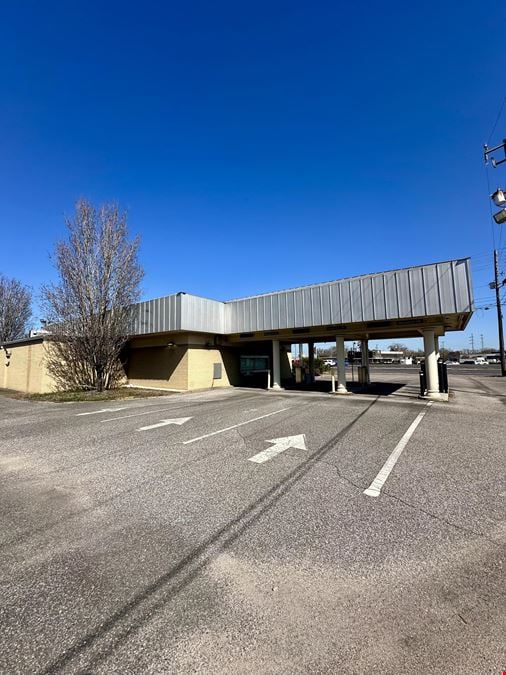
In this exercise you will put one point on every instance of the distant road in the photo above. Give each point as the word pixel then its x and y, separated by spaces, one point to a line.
pixel 480 371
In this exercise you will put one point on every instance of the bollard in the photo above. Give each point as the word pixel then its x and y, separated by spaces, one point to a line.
pixel 333 384
pixel 268 379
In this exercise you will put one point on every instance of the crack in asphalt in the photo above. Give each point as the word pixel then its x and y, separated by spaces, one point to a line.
pixel 441 519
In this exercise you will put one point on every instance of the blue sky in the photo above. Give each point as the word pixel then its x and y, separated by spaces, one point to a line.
pixel 256 146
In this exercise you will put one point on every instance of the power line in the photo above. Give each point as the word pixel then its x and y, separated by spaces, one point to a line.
pixel 482 254
pixel 494 127
pixel 498 117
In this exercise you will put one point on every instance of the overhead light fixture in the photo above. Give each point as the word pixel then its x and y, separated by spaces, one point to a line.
pixel 499 197
pixel 500 216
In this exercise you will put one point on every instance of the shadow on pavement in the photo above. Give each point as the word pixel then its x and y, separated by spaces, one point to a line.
pixel 325 386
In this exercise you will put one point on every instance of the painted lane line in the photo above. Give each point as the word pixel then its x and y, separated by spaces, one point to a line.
pixel 124 417
pixel 280 445
pixel 97 412
pixel 185 404
pixel 177 420
pixel 374 488
pixel 234 426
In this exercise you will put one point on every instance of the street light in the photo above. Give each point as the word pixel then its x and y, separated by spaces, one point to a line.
pixel 488 151
pixel 500 216
pixel 498 197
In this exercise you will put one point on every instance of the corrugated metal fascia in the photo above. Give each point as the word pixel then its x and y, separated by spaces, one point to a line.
pixel 179 305
pixel 154 316
pixel 346 279
pixel 201 314
pixel 408 296
pixel 346 302
pixel 469 284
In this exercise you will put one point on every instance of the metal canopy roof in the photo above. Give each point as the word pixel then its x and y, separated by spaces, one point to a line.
pixel 398 300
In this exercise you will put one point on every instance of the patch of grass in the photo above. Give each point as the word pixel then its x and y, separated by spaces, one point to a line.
pixel 10 393
pixel 69 396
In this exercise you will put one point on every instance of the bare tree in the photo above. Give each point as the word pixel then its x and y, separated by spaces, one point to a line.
pixel 15 309
pixel 88 310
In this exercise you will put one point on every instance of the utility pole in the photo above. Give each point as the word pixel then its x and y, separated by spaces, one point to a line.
pixel 471 340
pixel 499 313
pixel 499 199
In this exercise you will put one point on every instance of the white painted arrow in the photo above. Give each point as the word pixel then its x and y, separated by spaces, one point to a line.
pixel 97 412
pixel 280 445
pixel 163 423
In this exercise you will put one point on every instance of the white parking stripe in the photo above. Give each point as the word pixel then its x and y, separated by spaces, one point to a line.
pixel 97 412
pixel 186 404
pixel 374 488
pixel 234 426
pixel 148 412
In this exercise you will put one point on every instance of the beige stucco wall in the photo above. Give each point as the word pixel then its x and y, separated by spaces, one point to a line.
pixel 182 361
pixel 157 366
pixel 186 365
pixel 25 370
pixel 201 366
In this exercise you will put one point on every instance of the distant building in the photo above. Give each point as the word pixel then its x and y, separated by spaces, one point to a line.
pixel 386 357
pixel 35 332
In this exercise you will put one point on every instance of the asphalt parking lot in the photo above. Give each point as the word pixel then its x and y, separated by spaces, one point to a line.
pixel 232 531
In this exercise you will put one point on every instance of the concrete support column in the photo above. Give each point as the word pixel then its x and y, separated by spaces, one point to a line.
pixel 431 374
pixel 436 347
pixel 341 366
pixel 311 361
pixel 276 365
pixel 364 348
